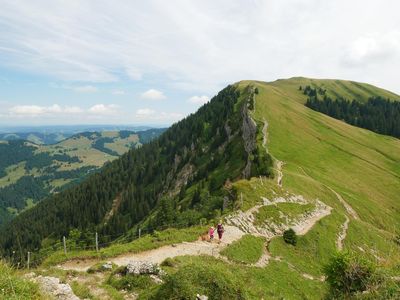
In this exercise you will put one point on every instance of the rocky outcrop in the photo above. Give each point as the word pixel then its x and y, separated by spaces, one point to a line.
pixel 56 289
pixel 249 134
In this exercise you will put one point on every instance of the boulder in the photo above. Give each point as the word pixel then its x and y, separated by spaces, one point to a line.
pixel 142 267
pixel 55 288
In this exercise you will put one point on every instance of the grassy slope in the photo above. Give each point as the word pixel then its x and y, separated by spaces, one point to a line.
pixel 320 151
pixel 14 287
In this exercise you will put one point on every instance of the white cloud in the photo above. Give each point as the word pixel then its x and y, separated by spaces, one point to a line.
pixel 133 73
pixel 199 99
pixel 73 110
pixel 372 49
pixel 36 110
pixel 103 109
pixel 146 114
pixel 153 94
pixel 118 92
pixel 85 89
pixel 27 110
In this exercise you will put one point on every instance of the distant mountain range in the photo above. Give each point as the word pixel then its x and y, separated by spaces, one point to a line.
pixel 31 171
pixel 45 135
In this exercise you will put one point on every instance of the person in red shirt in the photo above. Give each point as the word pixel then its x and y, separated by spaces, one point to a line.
pixel 220 230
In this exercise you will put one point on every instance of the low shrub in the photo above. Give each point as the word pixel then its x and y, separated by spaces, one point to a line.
pixel 348 274
pixel 290 237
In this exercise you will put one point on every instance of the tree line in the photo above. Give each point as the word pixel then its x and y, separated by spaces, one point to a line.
pixel 376 114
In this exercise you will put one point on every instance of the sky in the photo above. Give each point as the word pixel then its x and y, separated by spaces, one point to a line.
pixel 154 62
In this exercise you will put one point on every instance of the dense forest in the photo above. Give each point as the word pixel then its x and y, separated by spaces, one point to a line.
pixel 377 114
pixel 178 178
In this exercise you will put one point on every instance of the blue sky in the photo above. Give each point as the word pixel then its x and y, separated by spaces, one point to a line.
pixel 154 62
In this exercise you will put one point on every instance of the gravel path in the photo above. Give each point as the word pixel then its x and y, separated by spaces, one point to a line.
pixel 158 255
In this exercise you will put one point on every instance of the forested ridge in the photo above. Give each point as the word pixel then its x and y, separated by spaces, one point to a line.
pixel 377 114
pixel 184 173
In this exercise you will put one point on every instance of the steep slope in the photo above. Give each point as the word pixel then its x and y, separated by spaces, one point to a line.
pixel 31 172
pixel 183 173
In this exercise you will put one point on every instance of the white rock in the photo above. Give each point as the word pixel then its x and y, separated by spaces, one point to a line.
pixel 142 267
pixel 107 266
pixel 52 286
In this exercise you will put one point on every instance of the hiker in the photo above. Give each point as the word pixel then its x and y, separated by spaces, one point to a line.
pixel 211 233
pixel 220 230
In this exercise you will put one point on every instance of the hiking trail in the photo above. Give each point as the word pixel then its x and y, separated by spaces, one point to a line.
pixel 342 234
pixel 158 255
pixel 279 163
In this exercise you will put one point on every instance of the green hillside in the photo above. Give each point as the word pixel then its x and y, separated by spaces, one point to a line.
pixel 322 156
pixel 30 172
pixel 258 159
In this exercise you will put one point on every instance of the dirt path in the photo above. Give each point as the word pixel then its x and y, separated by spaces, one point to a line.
pixel 342 234
pixel 279 166
pixel 158 255
pixel 264 259
pixel 305 226
pixel 347 206
pixel 265 135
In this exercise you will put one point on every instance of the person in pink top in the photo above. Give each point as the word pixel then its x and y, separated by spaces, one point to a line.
pixel 211 233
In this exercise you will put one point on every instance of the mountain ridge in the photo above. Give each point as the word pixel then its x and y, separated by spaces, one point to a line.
pixel 297 136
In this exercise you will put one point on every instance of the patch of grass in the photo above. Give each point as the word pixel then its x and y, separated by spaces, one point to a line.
pixel 146 242
pixel 81 290
pixel 247 250
pixel 112 292
pixel 251 192
pixel 268 213
pixel 14 173
pixel 312 250
pixel 130 282
pixel 216 279
pixel 14 287
pixel 278 213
